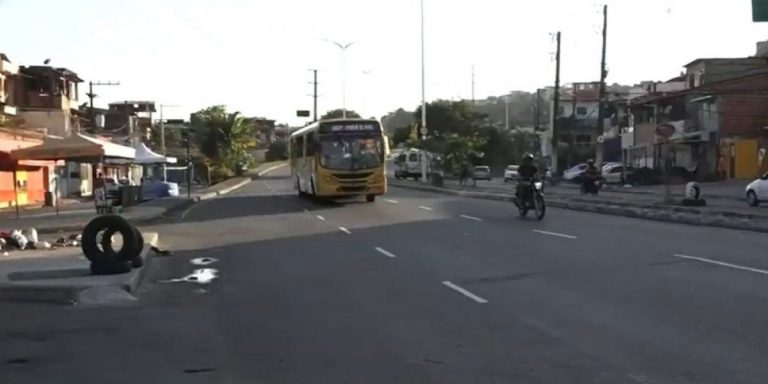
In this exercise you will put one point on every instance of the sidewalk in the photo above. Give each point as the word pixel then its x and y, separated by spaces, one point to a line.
pixel 62 275
pixel 729 189
pixel 75 219
pixel 37 210
pixel 726 213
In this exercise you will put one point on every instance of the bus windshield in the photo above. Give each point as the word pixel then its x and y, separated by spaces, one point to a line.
pixel 351 152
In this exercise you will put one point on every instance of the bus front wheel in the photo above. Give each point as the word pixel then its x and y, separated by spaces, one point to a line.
pixel 370 198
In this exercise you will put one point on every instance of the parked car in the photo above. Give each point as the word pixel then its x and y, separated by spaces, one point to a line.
pixel 111 186
pixel 574 173
pixel 510 173
pixel 482 172
pixel 757 191
pixel 612 173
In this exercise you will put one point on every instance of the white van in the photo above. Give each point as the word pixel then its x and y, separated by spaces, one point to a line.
pixel 409 164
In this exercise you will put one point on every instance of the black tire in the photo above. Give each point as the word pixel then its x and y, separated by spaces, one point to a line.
pixel 113 268
pixel 370 198
pixel 752 199
pixel 541 206
pixel 109 225
pixel 138 261
pixel 302 194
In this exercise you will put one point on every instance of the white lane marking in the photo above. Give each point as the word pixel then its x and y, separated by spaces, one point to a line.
pixel 470 217
pixel 320 218
pixel 425 208
pixel 391 201
pixel 722 264
pixel 555 234
pixel 464 292
pixel 345 230
pixel 203 260
pixel 385 252
pixel 199 276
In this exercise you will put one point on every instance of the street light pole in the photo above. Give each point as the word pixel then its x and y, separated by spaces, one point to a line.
pixel 162 138
pixel 343 48
pixel 423 101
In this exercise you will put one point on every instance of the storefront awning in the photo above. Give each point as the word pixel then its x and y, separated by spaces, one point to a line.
pixel 144 155
pixel 76 147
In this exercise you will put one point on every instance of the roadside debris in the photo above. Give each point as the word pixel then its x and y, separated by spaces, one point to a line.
pixel 29 239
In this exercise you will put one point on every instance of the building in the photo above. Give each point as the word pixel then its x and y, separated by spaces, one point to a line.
pixel 126 122
pixel 718 128
pixel 702 72
pixel 32 178
pixel 47 97
pixel 8 78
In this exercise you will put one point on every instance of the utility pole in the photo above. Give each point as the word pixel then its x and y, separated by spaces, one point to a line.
pixel 314 94
pixel 473 84
pixel 556 109
pixel 423 101
pixel 601 97
pixel 537 116
pixel 91 96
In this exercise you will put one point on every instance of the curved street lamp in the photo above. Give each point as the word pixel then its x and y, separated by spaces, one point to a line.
pixel 343 48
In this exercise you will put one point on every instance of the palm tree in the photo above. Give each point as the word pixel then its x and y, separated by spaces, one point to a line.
pixel 222 137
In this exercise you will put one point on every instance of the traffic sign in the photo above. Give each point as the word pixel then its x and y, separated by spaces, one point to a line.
pixel 423 131
pixel 600 139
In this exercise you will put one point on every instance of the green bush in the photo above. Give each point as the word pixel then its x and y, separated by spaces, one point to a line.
pixel 277 151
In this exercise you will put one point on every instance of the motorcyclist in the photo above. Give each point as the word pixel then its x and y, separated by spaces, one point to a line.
pixel 526 172
pixel 591 174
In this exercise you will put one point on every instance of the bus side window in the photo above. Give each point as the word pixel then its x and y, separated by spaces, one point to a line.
pixel 311 144
pixel 298 146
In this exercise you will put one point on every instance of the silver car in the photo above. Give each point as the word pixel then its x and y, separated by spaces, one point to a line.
pixel 482 172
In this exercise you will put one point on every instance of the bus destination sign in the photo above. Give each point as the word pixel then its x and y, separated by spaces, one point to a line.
pixel 351 127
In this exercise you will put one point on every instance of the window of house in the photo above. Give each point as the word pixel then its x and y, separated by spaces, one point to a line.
pixel 581 111
pixel 583 138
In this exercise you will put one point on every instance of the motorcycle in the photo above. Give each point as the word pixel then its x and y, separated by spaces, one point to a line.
pixel 591 185
pixel 533 199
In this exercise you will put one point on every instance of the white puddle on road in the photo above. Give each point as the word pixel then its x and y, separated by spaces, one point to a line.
pixel 198 276
pixel 203 261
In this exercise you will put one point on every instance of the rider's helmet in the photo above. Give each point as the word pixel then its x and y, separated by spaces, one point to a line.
pixel 528 158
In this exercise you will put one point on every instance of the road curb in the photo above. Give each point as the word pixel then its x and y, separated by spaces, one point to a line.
pixel 270 169
pixel 246 180
pixel 70 294
pixel 679 215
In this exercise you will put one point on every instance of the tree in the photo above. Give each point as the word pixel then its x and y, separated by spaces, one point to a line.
pixel 277 150
pixel 397 120
pixel 446 117
pixel 223 137
pixel 339 113
pixel 461 150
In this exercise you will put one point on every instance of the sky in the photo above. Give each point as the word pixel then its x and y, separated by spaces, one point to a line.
pixel 254 56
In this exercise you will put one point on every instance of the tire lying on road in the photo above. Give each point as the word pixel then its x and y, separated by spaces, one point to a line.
pixel 138 262
pixel 97 244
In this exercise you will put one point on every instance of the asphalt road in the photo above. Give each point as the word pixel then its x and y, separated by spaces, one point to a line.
pixel 415 288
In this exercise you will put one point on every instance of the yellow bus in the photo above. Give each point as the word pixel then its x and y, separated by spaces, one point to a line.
pixel 339 158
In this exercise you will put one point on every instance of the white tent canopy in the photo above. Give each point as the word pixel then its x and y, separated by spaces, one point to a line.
pixel 144 155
